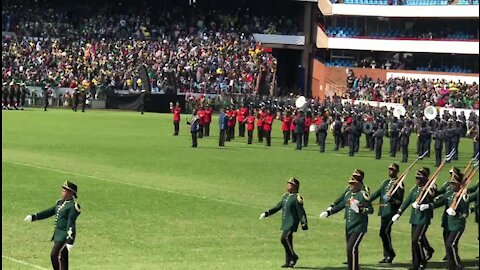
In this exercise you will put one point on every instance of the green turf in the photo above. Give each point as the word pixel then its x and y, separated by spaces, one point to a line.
pixel 150 201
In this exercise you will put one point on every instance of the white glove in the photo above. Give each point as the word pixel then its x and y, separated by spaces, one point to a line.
pixel 396 217
pixel 415 205
pixel 262 216
pixel 28 218
pixel 69 248
pixel 324 214
pixel 354 207
pixel 329 209
pixel 451 212
pixel 424 207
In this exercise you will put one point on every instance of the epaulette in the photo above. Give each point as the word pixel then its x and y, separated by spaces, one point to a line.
pixel 300 198
pixel 366 188
pixel 366 195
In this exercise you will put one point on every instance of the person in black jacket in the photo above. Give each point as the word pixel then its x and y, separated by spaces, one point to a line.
pixel 439 137
pixel 337 132
pixel 299 127
pixel 322 134
pixel 378 137
pixel 394 134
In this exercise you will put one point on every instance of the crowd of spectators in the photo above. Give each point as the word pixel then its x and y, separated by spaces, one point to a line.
pixel 208 52
pixel 416 92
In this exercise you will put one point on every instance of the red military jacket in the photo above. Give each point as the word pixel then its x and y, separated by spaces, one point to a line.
pixel 261 117
pixel 176 113
pixel 208 115
pixel 201 115
pixel 318 121
pixel 231 120
pixel 267 123
pixel 250 122
pixel 308 122
pixel 286 123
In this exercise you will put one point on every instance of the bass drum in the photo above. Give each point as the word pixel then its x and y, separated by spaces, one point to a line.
pixel 313 128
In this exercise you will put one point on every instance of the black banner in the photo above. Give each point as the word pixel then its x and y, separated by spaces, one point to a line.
pixel 133 101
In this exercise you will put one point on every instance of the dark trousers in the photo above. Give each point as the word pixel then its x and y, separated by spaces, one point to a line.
pixel 353 241
pixel 455 146
pixel 306 136
pixel 372 143
pixel 378 149
pixel 404 153
pixel 475 149
pixel 286 137
pixel 321 140
pixel 221 139
pixel 194 139
pixel 260 133
pixel 438 157
pixel 206 129
pixel 418 255
pixel 357 144
pixel 351 146
pixel 368 140
pixel 294 136
pixel 176 127
pixel 287 242
pixel 393 146
pixel 428 146
pixel 45 106
pixel 386 236
pixel 241 129
pixel 59 256
pixel 448 148
pixel 338 140
pixel 299 140
pixel 232 136
pixel 84 103
pixel 75 105
pixel 268 136
pixel 250 136
pixel 451 245
pixel 200 132
pixel 229 133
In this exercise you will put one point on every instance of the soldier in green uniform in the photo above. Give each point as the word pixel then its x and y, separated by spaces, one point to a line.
pixel 357 208
pixel 442 192
pixel 419 218
pixel 364 187
pixel 456 220
pixel 293 214
pixel 66 211
pixel 388 207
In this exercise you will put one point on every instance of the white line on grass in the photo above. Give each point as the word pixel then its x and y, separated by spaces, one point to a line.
pixel 24 263
pixel 190 195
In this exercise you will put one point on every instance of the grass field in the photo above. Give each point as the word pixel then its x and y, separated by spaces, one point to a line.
pixel 150 201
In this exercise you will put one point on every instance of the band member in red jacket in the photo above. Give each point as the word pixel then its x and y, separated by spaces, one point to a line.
pixel 286 123
pixel 201 116
pixel 242 115
pixel 306 129
pixel 317 121
pixel 260 118
pixel 230 124
pixel 267 127
pixel 250 120
pixel 208 120
pixel 176 110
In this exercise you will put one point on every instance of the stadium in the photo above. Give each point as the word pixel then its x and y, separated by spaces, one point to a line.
pixel 208 134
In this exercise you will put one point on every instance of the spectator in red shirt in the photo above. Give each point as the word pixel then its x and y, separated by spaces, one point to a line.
pixel 250 126
pixel 267 127
pixel 176 110
pixel 208 120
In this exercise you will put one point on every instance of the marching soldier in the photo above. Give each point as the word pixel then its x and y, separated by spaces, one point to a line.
pixel 83 95
pixel 394 134
pixel 194 127
pixel 76 95
pixel 449 133
pixel 23 98
pixel 299 127
pixel 357 208
pixel 286 122
pixel 404 141
pixel 293 214
pixel 201 116
pixel 66 211
pixel 250 126
pixel 207 120
pixel 439 137
pixel 222 126
pixel 420 220
pixel 46 95
pixel 378 137
pixel 267 127
pixel 306 129
pixel 389 206
pixel 322 133
pixel 360 175
pixel 441 193
pixel 456 219
pixel 337 132
pixel 457 133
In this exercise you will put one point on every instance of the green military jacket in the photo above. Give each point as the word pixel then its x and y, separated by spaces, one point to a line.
pixel 355 222
pixel 454 223
pixel 293 212
pixel 418 217
pixel 341 197
pixel 444 191
pixel 389 208
pixel 66 213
